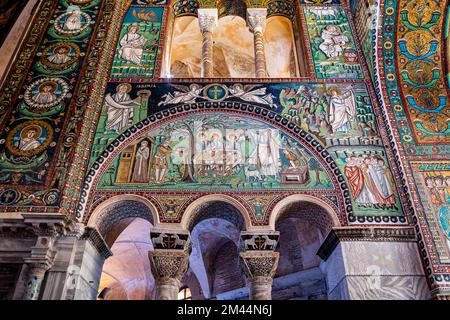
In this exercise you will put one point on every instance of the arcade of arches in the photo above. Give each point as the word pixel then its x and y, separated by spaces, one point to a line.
pixel 224 150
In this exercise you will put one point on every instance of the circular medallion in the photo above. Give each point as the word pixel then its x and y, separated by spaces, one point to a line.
pixel 45 93
pixel 60 55
pixel 51 197
pixel 72 22
pixel 215 92
pixel 29 138
pixel 9 197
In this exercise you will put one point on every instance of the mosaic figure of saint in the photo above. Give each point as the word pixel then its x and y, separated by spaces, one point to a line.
pixel 60 55
pixel 140 172
pixel 73 21
pixel 120 108
pixel 379 174
pixel 266 155
pixel 46 93
pixel 342 110
pixel 132 46
pixel 29 138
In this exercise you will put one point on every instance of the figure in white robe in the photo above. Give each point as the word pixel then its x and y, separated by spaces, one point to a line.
pixel 140 172
pixel 46 94
pixel 366 198
pixel 132 46
pixel 266 155
pixel 59 56
pixel 342 110
pixel 120 108
pixel 379 175
pixel 73 21
pixel 333 42
pixel 249 93
pixel 28 141
pixel 186 95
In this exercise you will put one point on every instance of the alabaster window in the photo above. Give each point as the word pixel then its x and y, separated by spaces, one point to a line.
pixel 233 42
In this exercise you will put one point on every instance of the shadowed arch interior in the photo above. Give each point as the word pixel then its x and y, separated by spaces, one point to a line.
pixel 217 209
pixel 109 218
pixel 310 212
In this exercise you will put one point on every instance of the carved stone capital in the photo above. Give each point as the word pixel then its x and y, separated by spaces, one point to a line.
pixel 38 269
pixel 260 266
pixel 207 19
pixel 51 225
pixel 168 265
pixel 256 19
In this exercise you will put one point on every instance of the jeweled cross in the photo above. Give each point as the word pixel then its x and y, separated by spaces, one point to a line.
pixel 216 92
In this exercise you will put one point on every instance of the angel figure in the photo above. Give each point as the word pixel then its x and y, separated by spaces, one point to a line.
pixel 185 95
pixel 250 93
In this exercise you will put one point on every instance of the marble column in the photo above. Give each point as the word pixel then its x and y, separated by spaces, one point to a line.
pixel 168 267
pixel 35 275
pixel 260 268
pixel 256 19
pixel 207 19
pixel 40 260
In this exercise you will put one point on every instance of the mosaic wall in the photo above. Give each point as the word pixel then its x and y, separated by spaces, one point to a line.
pixel 412 82
pixel 215 151
pixel 138 44
pixel 332 43
pixel 38 121
pixel 86 83
pixel 341 160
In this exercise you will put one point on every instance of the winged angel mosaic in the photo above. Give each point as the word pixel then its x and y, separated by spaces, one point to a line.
pixel 218 92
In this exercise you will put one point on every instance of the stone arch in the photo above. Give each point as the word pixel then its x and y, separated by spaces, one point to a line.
pixel 193 213
pixel 256 113
pixel 111 211
pixel 215 223
pixel 280 209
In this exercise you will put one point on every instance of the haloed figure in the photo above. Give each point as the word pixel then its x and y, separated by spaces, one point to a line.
pixel 60 55
pixel 46 94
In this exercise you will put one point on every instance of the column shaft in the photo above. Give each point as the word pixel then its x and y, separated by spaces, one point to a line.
pixel 260 55
pixel 256 19
pixel 207 20
pixel 35 276
pixel 207 55
pixel 261 288
pixel 167 289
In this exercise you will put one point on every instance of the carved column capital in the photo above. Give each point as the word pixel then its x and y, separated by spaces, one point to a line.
pixel 207 19
pixel 168 268
pixel 260 265
pixel 260 268
pixel 256 19
pixel 168 264
pixel 39 269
